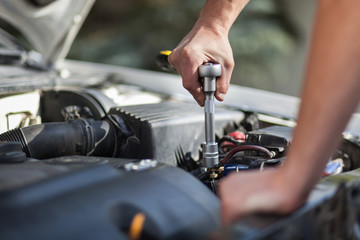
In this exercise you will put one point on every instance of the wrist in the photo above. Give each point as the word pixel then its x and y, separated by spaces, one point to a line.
pixel 220 15
pixel 212 24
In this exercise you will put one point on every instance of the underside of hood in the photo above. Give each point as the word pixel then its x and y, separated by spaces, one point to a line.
pixel 49 26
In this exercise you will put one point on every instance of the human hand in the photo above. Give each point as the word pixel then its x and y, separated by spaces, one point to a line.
pixel 203 44
pixel 268 192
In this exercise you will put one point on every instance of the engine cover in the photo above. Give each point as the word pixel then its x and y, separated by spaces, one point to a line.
pixel 162 129
pixel 83 197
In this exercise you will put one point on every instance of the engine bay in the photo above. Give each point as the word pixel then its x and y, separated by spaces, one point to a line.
pixel 127 160
pixel 84 122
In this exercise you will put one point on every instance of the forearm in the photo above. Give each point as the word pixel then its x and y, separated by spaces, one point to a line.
pixel 220 14
pixel 330 93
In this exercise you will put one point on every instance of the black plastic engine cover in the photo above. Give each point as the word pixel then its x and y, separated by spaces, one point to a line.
pixel 86 198
pixel 162 129
pixel 276 138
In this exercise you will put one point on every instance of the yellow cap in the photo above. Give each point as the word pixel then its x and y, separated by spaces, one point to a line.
pixel 165 52
pixel 137 226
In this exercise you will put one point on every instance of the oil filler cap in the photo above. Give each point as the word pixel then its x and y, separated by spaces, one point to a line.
pixel 11 152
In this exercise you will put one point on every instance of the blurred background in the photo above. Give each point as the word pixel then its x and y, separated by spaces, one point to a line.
pixel 269 39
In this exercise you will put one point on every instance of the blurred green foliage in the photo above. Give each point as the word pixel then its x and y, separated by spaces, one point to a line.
pixel 131 33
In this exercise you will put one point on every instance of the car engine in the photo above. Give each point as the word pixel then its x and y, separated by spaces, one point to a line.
pixel 93 151
pixel 95 163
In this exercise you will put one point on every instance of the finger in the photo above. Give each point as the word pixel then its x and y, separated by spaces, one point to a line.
pixel 192 84
pixel 188 70
pixel 223 82
pixel 190 76
pixel 199 96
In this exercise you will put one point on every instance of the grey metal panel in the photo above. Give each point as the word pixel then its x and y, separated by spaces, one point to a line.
pixel 15 79
pixel 240 97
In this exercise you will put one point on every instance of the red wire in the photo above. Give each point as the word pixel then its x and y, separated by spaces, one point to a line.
pixel 245 148
pixel 228 144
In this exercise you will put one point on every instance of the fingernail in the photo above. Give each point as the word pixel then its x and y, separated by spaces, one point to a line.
pixel 221 96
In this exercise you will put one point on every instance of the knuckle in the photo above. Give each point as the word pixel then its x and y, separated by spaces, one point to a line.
pixel 173 57
pixel 222 83
pixel 187 52
pixel 231 64
pixel 222 87
pixel 225 88
pixel 187 85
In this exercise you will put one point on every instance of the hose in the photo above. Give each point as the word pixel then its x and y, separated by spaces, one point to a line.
pixel 78 137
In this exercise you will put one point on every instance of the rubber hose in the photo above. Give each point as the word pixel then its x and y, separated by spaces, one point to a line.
pixel 79 137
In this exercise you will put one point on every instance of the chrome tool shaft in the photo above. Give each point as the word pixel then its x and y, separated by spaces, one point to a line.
pixel 209 72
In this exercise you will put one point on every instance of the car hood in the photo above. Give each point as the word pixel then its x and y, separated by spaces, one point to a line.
pixel 49 26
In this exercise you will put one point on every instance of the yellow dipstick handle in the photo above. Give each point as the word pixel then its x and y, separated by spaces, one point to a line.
pixel 163 62
pixel 137 225
pixel 165 52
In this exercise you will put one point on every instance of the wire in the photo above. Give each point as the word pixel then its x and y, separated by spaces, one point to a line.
pixel 229 139
pixel 136 227
pixel 229 145
pixel 262 166
pixel 245 148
